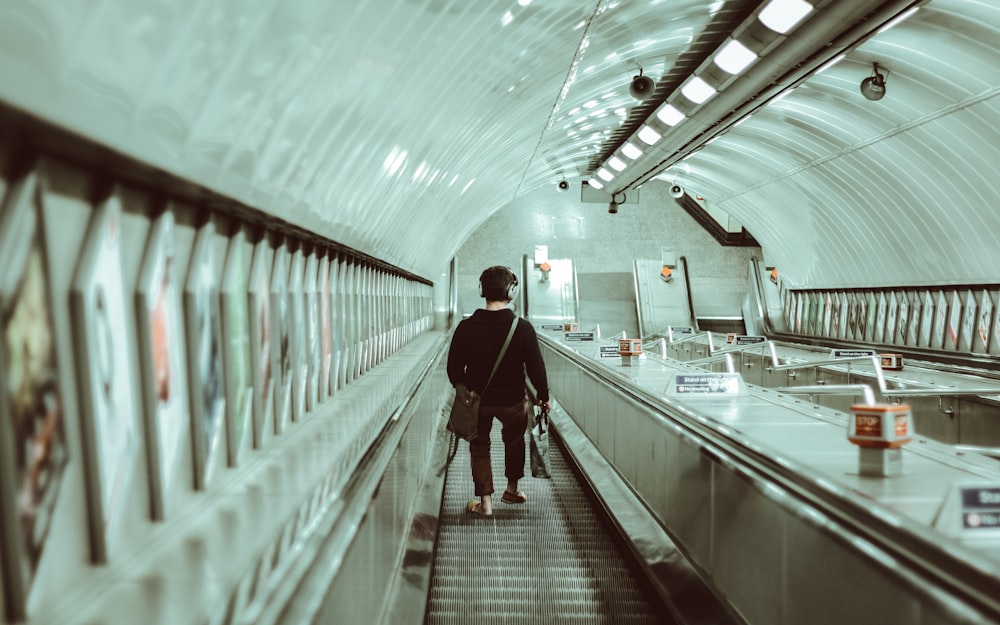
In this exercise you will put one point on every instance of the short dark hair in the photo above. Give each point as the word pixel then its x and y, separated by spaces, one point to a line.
pixel 495 283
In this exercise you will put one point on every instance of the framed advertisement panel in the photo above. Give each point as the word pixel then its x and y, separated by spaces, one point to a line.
pixel 313 351
pixel 905 311
pixel 882 309
pixel 892 318
pixel 236 348
pixel 326 338
pixel 851 327
pixel 161 361
pixel 281 351
pixel 967 334
pixel 298 335
pixel 108 423
pixel 204 342
pixel 336 322
pixel 33 450
pixel 839 316
pixel 259 303
pixel 985 343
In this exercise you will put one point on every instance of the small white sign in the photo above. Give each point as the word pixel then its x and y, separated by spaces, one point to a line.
pixel 578 336
pixel 688 384
pixel 837 354
pixel 970 511
pixel 608 351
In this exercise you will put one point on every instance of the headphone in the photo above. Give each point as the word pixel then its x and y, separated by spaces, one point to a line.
pixel 512 284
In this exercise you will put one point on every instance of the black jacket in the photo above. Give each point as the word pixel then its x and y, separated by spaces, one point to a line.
pixel 475 346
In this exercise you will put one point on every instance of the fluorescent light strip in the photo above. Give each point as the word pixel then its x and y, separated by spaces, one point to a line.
pixel 899 18
pixel 669 115
pixel 782 15
pixel 649 136
pixel 604 174
pixel 829 64
pixel 616 163
pixel 594 182
pixel 734 57
pixel 697 90
pixel 630 150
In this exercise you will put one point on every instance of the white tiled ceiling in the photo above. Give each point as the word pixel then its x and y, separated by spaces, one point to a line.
pixel 399 126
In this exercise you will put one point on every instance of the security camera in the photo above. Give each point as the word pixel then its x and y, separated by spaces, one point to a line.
pixel 873 87
pixel 641 87
pixel 676 191
pixel 563 185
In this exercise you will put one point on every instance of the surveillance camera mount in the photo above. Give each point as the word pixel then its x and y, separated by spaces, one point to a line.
pixel 873 87
pixel 641 87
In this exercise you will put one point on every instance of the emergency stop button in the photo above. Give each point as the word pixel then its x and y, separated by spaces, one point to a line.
pixel 880 431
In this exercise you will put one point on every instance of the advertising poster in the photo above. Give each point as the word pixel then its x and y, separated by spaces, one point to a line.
pixel 985 317
pixel 836 321
pixel 926 319
pixel 827 313
pixel 967 336
pixel 938 339
pixel 204 334
pixel 298 335
pixel 954 321
pixel 903 321
pixel 314 353
pixel 880 318
pixel 324 316
pixel 281 347
pixel 892 318
pixel 916 318
pixel 259 303
pixel 236 347
pixel 33 452
pixel 162 367
pixel 336 323
pixel 852 316
pixel 107 407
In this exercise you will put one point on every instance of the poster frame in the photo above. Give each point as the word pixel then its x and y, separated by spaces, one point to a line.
pixel 261 325
pixel 206 384
pixel 162 448
pixel 236 348
pixel 93 284
pixel 21 236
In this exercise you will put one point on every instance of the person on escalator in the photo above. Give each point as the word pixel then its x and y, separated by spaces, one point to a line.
pixel 474 348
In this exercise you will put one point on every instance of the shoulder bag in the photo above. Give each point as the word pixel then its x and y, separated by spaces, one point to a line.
pixel 464 418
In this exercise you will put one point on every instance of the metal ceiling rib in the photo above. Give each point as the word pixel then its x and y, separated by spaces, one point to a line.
pixel 397 127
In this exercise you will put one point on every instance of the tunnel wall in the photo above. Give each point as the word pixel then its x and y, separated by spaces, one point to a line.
pixel 602 246
pixel 177 389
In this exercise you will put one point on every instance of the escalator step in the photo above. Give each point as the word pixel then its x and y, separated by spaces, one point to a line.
pixel 548 561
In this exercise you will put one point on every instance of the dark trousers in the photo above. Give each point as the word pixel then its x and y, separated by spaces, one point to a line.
pixel 514 419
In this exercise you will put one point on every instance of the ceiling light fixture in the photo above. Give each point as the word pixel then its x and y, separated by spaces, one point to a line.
pixel 697 90
pixel 669 115
pixel 750 42
pixel 631 151
pixel 782 15
pixel 734 57
pixel 648 135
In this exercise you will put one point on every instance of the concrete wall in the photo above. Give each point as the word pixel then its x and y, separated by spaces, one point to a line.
pixel 593 239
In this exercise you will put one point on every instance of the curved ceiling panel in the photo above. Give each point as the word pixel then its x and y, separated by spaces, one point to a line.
pixel 399 126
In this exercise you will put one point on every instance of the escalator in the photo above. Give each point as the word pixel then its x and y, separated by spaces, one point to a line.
pixel 552 560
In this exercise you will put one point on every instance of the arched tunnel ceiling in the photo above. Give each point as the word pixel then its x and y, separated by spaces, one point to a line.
pixel 399 126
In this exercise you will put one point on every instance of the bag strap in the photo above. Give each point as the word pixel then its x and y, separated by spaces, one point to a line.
pixel 503 350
